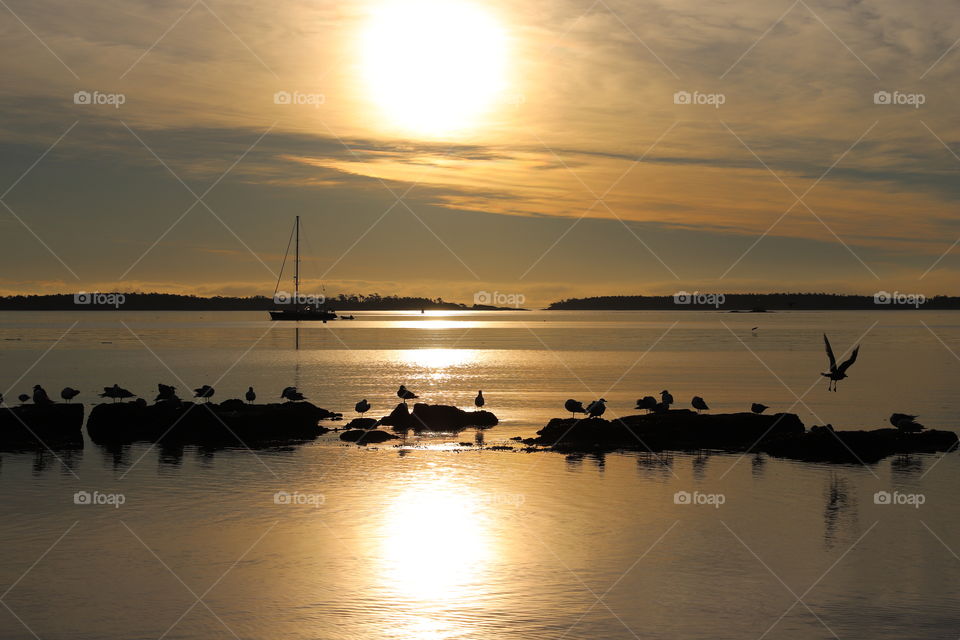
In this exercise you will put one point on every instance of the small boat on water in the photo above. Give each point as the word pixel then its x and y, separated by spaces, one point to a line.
pixel 297 307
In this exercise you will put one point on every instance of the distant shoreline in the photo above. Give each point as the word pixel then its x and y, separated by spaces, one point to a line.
pixel 760 302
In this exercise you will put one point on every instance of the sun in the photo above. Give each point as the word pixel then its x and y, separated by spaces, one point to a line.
pixel 433 67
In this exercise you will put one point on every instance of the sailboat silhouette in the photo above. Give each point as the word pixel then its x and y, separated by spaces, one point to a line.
pixel 297 309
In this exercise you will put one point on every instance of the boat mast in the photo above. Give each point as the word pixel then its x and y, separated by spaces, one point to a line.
pixel 296 267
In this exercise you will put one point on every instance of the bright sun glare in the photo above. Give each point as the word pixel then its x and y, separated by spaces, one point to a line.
pixel 433 66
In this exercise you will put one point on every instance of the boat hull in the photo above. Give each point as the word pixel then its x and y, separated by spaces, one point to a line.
pixel 303 315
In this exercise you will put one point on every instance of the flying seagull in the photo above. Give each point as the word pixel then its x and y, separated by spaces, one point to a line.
pixel 69 393
pixel 699 404
pixel 837 373
pixel 574 407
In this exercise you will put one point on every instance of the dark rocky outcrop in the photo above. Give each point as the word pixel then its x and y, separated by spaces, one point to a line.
pixel 781 434
pixel 822 444
pixel 362 423
pixel 54 424
pixel 364 436
pixel 437 417
pixel 231 422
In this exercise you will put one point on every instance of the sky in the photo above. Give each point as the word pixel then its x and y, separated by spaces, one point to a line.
pixel 447 147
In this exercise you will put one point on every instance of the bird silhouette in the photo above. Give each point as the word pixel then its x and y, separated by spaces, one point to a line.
pixel 1 399
pixel 574 407
pixel 837 373
pixel 405 394
pixel 699 404
pixel 647 402
pixel 666 399
pixel 165 392
pixel 756 407
pixel 906 422
pixel 596 408
pixel 69 393
pixel 205 392
pixel 478 402
pixel 291 394
pixel 116 392
pixel 362 407
pixel 250 395
pixel 23 398
pixel 40 395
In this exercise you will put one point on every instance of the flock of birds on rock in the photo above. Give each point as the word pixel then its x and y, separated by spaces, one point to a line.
pixel 166 393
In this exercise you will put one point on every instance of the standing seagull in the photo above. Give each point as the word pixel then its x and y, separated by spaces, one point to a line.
pixel 699 404
pixel 666 399
pixel 291 394
pixel 40 395
pixel 478 402
pixel 837 373
pixel 647 402
pixel 362 407
pixel 906 422
pixel 596 408
pixel 250 395
pixel 69 393
pixel 23 398
pixel 758 408
pixel 165 392
pixel 206 392
pixel 574 407
pixel 116 392
pixel 405 394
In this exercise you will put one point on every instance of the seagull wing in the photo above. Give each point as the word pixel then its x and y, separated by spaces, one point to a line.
pixel 833 360
pixel 849 361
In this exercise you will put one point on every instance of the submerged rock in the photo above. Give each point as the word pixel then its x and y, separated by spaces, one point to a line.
pixel 53 424
pixel 362 423
pixel 437 417
pixel 232 422
pixel 822 444
pixel 364 436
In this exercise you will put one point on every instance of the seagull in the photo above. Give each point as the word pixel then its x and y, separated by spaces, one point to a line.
pixel 362 407
pixel 699 404
pixel 69 393
pixel 478 402
pixel 206 392
pixel 405 394
pixel 574 407
pixel 837 373
pixel 291 394
pixel 165 392
pixel 906 422
pixel 596 408
pixel 116 392
pixel 40 395
pixel 758 408
pixel 23 398
pixel 666 399
pixel 250 395
pixel 647 402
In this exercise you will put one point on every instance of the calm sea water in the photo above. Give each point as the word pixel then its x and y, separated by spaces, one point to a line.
pixel 435 540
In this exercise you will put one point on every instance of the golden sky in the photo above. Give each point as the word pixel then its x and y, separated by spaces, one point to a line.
pixel 441 147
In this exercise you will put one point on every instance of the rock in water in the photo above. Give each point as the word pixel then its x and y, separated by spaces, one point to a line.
pixel 437 417
pixel 363 436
